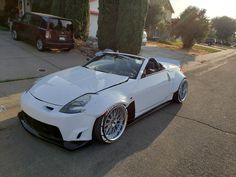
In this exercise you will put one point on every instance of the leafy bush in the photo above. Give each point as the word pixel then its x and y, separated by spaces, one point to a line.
pixel 225 27
pixel 193 26
pixel 120 25
pixel 78 11
pixel 107 21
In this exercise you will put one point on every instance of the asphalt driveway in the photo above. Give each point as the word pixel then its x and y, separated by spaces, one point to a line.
pixel 19 60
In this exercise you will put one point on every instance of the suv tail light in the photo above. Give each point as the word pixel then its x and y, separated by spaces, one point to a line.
pixel 48 35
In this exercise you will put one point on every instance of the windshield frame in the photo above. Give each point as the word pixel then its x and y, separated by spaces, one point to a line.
pixel 97 58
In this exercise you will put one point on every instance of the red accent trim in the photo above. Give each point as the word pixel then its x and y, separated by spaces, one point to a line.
pixel 92 0
pixel 93 12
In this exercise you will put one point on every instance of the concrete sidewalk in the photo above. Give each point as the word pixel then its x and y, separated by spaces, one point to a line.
pixel 19 60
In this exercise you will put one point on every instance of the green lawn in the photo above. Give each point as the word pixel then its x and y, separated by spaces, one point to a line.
pixel 205 48
pixel 178 44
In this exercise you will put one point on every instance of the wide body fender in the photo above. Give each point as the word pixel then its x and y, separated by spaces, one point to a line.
pixel 178 77
pixel 102 102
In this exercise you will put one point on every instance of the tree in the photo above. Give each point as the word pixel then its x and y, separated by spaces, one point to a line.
pixel 225 27
pixel 78 11
pixel 192 27
pixel 156 16
pixel 107 21
pixel 130 25
pixel 41 6
pixel 10 9
pixel 58 8
pixel 120 24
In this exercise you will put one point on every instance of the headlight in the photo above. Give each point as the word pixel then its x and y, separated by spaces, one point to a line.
pixel 77 105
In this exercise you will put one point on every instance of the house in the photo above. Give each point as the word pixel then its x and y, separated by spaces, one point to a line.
pixel 161 31
pixel 167 7
pixel 93 18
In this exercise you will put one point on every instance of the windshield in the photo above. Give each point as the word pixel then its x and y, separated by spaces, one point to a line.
pixel 60 25
pixel 116 64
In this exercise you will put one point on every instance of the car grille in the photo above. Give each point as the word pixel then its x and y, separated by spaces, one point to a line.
pixel 44 130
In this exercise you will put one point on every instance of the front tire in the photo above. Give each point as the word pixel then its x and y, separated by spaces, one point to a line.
pixel 40 45
pixel 110 127
pixel 181 94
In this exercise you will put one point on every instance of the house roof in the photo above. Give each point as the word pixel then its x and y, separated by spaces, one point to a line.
pixel 167 3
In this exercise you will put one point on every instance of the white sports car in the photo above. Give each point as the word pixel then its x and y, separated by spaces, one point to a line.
pixel 98 100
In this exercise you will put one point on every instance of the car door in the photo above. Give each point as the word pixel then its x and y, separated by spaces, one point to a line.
pixel 153 88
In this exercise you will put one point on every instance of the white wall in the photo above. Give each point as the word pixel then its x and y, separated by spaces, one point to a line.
pixel 93 19
pixel 93 26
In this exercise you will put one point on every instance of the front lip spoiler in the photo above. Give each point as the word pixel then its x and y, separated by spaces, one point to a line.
pixel 68 145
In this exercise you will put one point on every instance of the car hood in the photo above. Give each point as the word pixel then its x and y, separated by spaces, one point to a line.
pixel 64 86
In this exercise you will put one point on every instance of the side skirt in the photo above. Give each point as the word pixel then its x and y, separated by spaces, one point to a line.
pixel 144 115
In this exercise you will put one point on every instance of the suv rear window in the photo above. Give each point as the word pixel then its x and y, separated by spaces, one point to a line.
pixel 60 25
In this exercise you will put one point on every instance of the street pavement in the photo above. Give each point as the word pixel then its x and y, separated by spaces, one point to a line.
pixel 196 139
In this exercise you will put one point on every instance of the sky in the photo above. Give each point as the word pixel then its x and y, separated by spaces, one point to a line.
pixel 214 7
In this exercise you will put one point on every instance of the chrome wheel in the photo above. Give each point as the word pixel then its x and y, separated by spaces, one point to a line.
pixel 39 44
pixel 114 123
pixel 183 91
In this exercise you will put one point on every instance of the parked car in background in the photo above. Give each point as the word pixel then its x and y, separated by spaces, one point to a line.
pixel 44 31
pixel 211 41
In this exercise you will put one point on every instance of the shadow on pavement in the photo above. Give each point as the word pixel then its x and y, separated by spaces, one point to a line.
pixel 30 156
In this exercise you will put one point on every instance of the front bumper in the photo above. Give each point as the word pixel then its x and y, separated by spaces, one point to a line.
pixel 67 130
pixel 47 132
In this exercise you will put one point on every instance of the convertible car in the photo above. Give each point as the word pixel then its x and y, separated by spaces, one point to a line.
pixel 98 100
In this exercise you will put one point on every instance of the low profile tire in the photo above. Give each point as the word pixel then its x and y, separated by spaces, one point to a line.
pixel 110 127
pixel 181 94
pixel 14 35
pixel 40 45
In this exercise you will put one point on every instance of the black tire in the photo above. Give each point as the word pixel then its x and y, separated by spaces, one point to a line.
pixel 40 45
pixel 99 125
pixel 177 98
pixel 14 35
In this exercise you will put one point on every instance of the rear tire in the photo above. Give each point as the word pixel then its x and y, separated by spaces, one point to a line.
pixel 181 94
pixel 40 45
pixel 109 128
